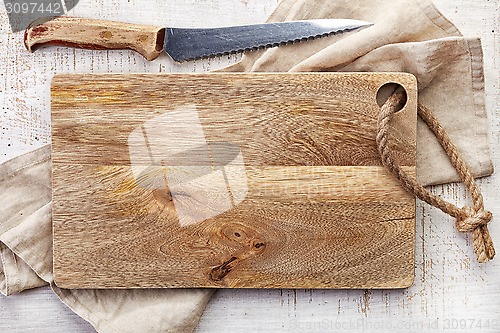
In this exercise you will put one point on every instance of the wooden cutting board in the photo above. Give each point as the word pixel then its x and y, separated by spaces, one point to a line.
pixel 229 181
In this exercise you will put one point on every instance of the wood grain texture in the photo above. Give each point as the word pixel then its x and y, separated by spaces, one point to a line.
pixel 96 35
pixel 450 284
pixel 311 205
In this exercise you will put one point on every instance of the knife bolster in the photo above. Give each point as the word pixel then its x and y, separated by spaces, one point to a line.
pixel 95 35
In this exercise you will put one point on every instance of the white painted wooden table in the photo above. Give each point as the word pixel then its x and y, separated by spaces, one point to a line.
pixel 451 291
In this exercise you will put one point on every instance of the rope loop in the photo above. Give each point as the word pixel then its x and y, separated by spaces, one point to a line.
pixel 468 219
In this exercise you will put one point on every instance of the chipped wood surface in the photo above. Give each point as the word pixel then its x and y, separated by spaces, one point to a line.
pixel 304 201
pixel 450 286
pixel 96 35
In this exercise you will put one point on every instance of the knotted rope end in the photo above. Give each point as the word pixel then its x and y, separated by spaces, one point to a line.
pixel 472 219
pixel 476 221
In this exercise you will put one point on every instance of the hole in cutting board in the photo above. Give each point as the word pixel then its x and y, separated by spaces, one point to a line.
pixel 385 91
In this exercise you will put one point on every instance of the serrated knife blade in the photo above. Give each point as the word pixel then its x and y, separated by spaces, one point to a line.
pixel 187 44
pixel 181 44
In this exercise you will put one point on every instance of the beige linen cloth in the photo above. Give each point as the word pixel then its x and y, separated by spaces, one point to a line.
pixel 408 36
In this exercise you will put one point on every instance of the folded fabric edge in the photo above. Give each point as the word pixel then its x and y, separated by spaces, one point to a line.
pixel 435 15
pixel 25 160
pixel 15 240
pixel 15 274
pixel 7 259
pixel 478 90
pixel 102 325
pixel 82 310
pixel 485 167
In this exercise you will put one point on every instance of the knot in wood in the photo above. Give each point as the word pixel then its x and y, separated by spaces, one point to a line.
pixel 472 220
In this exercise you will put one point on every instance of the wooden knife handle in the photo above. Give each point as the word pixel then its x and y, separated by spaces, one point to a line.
pixel 95 35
